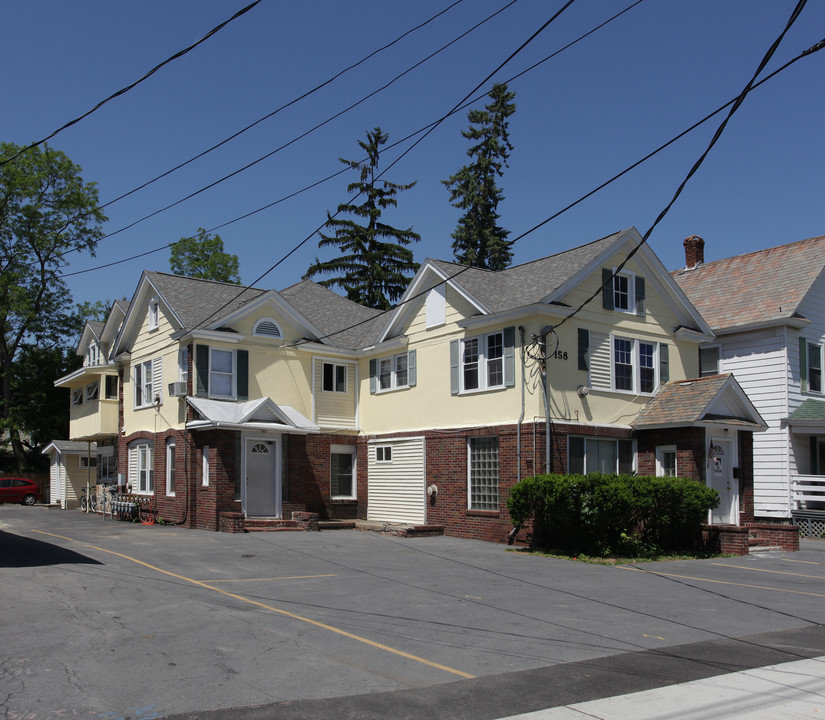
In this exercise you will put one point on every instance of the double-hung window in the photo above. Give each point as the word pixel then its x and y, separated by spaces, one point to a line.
pixel 342 472
pixel 393 372
pixel 708 361
pixel 666 461
pixel 482 362
pixel 170 466
pixel 154 314
pixel 221 373
pixel 482 461
pixel 635 365
pixel 623 291
pixel 602 455
pixel 143 384
pixel 814 368
pixel 143 470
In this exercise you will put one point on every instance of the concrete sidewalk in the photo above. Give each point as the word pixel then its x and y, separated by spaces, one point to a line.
pixel 790 690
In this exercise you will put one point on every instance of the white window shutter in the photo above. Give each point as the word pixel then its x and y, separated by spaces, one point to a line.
pixel 600 363
pixel 157 379
pixel 133 468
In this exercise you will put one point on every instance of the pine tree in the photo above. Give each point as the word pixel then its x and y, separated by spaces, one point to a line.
pixel 374 264
pixel 478 239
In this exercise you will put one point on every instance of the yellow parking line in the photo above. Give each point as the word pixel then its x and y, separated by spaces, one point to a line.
pixel 722 582
pixel 271 608
pixel 764 570
pixel 293 577
pixel 805 562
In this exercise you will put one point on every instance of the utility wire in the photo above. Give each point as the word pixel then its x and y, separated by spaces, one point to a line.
pixel 291 102
pixel 394 162
pixel 737 103
pixel 307 132
pixel 126 89
pixel 336 174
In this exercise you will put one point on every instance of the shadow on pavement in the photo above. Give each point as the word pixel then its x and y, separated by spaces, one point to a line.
pixel 17 551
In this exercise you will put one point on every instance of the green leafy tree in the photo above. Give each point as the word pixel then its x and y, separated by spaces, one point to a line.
pixel 203 257
pixel 478 240
pixel 46 212
pixel 374 264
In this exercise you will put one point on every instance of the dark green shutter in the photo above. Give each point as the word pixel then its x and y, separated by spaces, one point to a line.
pixel 202 370
pixel 509 356
pixel 454 367
pixel 584 349
pixel 640 296
pixel 243 374
pixel 412 373
pixel 803 364
pixel 664 364
pixel 373 380
pixel 607 288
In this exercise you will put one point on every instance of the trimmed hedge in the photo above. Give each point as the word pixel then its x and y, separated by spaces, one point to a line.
pixel 600 514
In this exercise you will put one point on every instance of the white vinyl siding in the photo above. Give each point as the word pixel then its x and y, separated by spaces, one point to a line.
pixel 396 489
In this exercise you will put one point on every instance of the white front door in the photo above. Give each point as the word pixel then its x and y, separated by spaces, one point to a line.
pixel 263 484
pixel 720 478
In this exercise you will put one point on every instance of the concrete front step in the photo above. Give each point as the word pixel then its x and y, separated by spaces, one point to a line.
pixel 336 524
pixel 399 529
pixel 764 549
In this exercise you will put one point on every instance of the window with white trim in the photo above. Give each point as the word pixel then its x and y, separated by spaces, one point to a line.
pixel 170 466
pixel 77 396
pixel 708 361
pixel 342 472
pixel 221 373
pixel 111 387
pixel 85 462
pixel 143 379
pixel 635 365
pixel 93 354
pixel 482 362
pixel 666 462
pixel 106 468
pixel 393 372
pixel 623 295
pixel 383 453
pixel 205 466
pixel 154 314
pixel 183 365
pixel 602 455
pixel 334 377
pixel 144 471
pixel 483 473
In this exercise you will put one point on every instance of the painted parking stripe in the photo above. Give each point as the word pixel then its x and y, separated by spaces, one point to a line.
pixel 765 570
pixel 721 582
pixel 293 577
pixel 271 608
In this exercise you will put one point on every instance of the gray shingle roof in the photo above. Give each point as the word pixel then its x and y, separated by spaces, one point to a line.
pixel 762 286
pixel 810 409
pixel 528 283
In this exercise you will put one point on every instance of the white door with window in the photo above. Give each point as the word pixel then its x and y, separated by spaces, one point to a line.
pixel 263 482
pixel 720 478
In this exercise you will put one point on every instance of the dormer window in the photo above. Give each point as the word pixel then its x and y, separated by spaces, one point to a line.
pixel 93 354
pixel 154 314
pixel 267 327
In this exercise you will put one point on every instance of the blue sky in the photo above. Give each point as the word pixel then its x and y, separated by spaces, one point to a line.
pixel 582 116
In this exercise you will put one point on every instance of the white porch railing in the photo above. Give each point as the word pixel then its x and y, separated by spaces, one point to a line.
pixel 808 492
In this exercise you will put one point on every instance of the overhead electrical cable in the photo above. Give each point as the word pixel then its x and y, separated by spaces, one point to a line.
pixel 389 147
pixel 307 132
pixel 137 82
pixel 293 101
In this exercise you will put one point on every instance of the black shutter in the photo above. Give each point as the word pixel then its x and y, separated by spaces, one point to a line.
pixel 202 370
pixel 584 349
pixel 607 288
pixel 243 374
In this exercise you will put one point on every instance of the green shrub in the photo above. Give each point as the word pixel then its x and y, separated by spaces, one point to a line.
pixel 601 514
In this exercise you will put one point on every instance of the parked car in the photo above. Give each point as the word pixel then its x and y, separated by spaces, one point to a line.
pixel 19 490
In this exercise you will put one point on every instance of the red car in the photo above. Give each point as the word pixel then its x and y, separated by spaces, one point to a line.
pixel 19 490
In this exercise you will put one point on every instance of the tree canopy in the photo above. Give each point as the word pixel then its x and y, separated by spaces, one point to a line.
pixel 46 212
pixel 478 240
pixel 202 256
pixel 374 264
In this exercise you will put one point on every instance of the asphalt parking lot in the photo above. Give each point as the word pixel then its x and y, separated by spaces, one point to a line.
pixel 117 620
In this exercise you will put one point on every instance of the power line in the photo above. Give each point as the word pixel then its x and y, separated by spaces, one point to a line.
pixel 137 82
pixel 290 103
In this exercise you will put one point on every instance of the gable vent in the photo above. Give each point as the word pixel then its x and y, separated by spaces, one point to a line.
pixel 267 328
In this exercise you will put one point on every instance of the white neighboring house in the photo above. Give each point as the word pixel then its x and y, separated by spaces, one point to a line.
pixel 767 310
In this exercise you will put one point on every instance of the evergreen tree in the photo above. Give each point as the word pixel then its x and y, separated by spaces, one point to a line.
pixel 479 240
pixel 374 264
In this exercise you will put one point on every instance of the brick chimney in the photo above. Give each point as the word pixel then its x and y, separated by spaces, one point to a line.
pixel 694 251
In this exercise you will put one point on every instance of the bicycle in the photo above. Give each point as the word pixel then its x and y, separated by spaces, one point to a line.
pixel 88 502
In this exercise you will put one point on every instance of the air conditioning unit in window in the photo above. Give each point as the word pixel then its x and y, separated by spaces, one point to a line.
pixel 177 389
